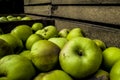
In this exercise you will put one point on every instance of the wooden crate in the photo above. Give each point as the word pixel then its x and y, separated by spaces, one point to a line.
pixel 8 26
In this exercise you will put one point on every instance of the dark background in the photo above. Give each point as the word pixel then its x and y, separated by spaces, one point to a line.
pixel 11 6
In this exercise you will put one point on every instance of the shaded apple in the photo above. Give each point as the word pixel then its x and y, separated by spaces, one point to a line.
pixel 53 75
pixel 44 55
pixel 5 48
pixel 102 75
pixel 31 40
pixel 16 67
pixel 26 53
pixel 15 43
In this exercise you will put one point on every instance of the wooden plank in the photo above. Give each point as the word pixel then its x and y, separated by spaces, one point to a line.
pixel 39 10
pixel 28 2
pixel 85 1
pixel 105 14
pixel 111 36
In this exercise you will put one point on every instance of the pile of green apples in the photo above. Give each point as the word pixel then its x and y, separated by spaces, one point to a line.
pixel 14 18
pixel 39 52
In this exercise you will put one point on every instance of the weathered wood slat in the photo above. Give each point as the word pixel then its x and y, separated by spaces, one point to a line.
pixel 105 14
pixel 27 2
pixel 85 1
pixel 40 10
pixel 111 36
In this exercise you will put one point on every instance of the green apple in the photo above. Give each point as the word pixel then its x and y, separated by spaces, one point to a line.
pixel 9 16
pixel 100 43
pixel 37 26
pixel 26 53
pixel 22 32
pixel 12 19
pixel 44 55
pixel 31 40
pixel 59 41
pixel 16 67
pixel 19 17
pixel 14 42
pixel 26 18
pixel 3 19
pixel 102 74
pixel 63 32
pixel 53 75
pixel 48 32
pixel 75 32
pixel 5 48
pixel 110 56
pixel 80 57
pixel 115 71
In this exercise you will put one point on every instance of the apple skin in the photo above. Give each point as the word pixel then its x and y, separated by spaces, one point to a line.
pixel 48 32
pixel 22 32
pixel 59 41
pixel 5 48
pixel 26 54
pixel 75 32
pixel 15 43
pixel 37 26
pixel 44 55
pixel 102 74
pixel 110 56
pixel 80 57
pixel 31 40
pixel 115 71
pixel 3 19
pixel 63 32
pixel 26 18
pixel 53 75
pixel 16 67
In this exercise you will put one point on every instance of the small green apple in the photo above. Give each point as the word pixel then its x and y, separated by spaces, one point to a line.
pixel 80 57
pixel 26 18
pixel 100 43
pixel 26 53
pixel 37 26
pixel 5 48
pixel 53 75
pixel 31 40
pixel 59 41
pixel 16 67
pixel 13 41
pixel 110 56
pixel 75 32
pixel 102 74
pixel 44 55
pixel 115 71
pixel 19 17
pixel 9 16
pixel 48 32
pixel 22 32
pixel 3 19
pixel 12 19
pixel 63 32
